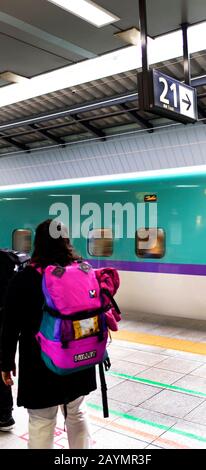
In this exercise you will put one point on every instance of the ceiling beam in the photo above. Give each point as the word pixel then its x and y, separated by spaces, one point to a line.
pixel 74 110
pixel 89 127
pixel 144 123
pixel 13 142
pixel 49 135
pixel 201 111
pixel 86 107
pixel 198 81
pixel 81 120
pixel 43 35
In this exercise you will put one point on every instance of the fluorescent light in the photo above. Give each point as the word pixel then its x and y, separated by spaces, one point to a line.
pixel 117 191
pixel 87 10
pixel 129 58
pixel 14 199
pixel 187 185
pixel 60 195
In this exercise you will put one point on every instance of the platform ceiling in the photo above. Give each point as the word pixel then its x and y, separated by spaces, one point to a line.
pixel 36 37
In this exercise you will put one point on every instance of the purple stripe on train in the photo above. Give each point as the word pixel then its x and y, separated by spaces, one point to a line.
pixel 148 267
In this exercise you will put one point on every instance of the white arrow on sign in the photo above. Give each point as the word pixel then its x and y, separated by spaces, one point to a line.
pixel 187 101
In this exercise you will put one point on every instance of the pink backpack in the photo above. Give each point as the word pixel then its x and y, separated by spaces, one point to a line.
pixel 79 308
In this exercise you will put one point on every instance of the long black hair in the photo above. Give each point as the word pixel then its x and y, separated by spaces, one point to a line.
pixel 50 250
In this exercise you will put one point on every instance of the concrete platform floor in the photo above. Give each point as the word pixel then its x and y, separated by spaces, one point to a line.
pixel 156 390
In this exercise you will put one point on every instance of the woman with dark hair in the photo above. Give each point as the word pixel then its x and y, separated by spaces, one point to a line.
pixel 39 389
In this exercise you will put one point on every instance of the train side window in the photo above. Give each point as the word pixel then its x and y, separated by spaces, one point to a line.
pixel 22 240
pixel 100 242
pixel 150 242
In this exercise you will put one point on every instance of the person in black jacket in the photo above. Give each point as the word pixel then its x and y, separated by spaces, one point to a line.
pixel 10 262
pixel 7 266
pixel 6 402
pixel 40 390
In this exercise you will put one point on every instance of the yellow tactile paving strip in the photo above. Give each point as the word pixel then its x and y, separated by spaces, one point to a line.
pixel 161 341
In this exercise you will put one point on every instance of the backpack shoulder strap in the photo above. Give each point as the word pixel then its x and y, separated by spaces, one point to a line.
pixel 104 391
pixel 111 298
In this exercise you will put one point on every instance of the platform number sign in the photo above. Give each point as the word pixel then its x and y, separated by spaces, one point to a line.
pixel 173 98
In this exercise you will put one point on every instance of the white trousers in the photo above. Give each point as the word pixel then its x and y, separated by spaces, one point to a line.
pixel 42 424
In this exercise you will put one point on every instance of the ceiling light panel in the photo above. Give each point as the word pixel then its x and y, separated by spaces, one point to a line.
pixel 88 11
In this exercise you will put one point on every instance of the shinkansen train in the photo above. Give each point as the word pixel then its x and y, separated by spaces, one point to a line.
pixel 151 226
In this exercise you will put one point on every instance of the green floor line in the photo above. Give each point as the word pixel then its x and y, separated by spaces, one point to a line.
pixel 158 384
pixel 150 423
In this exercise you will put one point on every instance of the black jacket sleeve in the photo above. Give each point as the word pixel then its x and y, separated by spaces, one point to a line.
pixel 11 323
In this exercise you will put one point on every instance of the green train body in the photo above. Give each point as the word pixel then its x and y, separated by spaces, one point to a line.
pixel 179 197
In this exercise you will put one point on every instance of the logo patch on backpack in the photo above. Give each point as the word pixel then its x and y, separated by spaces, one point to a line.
pixel 93 293
pixel 85 356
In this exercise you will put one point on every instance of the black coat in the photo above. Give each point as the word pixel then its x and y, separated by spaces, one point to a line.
pixel 38 387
